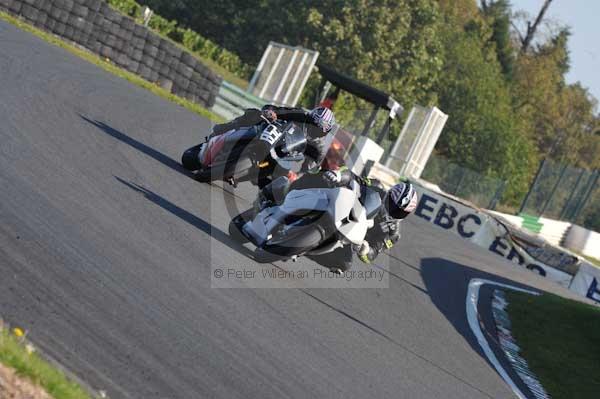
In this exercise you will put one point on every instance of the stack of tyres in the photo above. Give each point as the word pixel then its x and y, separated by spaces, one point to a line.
pixel 96 26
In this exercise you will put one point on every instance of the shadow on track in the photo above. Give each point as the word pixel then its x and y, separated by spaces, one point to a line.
pixel 190 218
pixel 447 283
pixel 151 152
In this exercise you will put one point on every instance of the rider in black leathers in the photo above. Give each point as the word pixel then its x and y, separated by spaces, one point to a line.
pixel 397 203
pixel 319 122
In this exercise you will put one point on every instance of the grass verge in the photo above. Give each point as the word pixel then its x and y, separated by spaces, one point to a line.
pixel 30 365
pixel 593 261
pixel 110 67
pixel 228 76
pixel 560 339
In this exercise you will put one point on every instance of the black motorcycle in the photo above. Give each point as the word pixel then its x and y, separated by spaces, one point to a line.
pixel 256 154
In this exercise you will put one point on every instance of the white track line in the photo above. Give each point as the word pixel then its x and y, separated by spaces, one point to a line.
pixel 472 300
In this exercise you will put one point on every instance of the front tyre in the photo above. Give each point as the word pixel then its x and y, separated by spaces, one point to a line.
pixel 297 242
pixel 236 224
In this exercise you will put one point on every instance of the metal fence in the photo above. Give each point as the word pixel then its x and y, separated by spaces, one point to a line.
pixel 564 192
pixel 462 182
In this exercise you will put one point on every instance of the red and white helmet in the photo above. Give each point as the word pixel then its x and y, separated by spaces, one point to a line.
pixel 323 118
pixel 401 200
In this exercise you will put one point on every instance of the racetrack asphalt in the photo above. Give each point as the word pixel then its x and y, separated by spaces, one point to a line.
pixel 106 248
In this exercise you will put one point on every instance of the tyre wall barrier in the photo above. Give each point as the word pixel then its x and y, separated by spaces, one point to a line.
pixel 96 26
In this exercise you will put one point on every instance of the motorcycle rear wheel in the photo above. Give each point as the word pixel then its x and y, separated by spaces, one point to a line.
pixel 239 171
pixel 190 160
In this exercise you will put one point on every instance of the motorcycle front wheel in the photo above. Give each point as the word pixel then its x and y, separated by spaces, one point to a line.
pixel 236 224
pixel 298 243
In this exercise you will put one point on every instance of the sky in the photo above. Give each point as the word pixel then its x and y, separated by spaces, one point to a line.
pixel 583 16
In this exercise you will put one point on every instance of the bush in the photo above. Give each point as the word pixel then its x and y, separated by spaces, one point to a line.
pixel 128 7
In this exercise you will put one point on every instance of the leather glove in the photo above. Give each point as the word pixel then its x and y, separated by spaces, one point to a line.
pixel 332 177
pixel 388 226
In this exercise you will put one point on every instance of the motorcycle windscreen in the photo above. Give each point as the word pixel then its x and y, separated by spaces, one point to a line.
pixel 294 139
pixel 288 152
pixel 340 203
pixel 297 203
pixel 307 199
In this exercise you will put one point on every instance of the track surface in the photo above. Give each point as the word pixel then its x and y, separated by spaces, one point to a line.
pixel 114 282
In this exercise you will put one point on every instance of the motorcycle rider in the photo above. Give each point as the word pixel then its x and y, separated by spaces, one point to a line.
pixel 397 203
pixel 319 121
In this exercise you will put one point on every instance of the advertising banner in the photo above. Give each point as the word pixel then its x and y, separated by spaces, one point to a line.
pixel 488 232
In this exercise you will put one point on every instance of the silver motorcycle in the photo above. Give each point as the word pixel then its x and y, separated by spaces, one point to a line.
pixel 312 221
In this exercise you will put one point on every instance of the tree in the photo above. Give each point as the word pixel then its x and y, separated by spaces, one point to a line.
pixel 391 44
pixel 532 28
pixel 560 118
pixel 498 15
pixel 482 132
pixel 505 91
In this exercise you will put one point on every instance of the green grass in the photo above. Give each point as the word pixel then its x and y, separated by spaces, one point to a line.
pixel 228 76
pixel 560 339
pixel 593 261
pixel 110 67
pixel 13 354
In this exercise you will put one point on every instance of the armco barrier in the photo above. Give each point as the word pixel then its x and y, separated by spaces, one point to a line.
pixel 231 101
pixel 94 25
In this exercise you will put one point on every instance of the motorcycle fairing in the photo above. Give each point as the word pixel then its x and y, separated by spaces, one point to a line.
pixel 341 204
pixel 212 150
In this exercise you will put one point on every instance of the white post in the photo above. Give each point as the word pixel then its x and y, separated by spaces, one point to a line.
pixel 147 15
pixel 260 67
pixel 306 76
pixel 435 126
pixel 407 170
pixel 399 139
pixel 295 78
pixel 285 76
pixel 273 69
